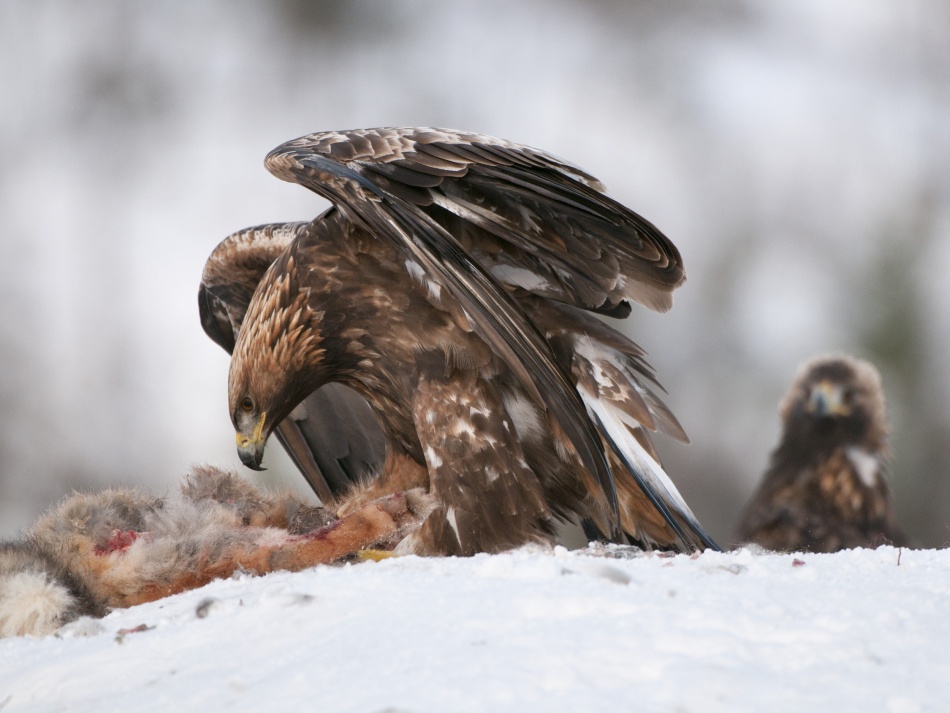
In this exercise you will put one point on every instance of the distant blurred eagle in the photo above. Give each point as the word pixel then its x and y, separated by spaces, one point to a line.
pixel 825 490
pixel 451 286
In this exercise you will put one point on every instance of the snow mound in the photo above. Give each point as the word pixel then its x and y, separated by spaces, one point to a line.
pixel 602 629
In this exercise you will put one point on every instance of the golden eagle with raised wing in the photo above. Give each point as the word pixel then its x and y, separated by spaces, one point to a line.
pixel 825 490
pixel 453 286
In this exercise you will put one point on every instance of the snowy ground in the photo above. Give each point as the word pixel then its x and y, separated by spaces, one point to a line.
pixel 531 630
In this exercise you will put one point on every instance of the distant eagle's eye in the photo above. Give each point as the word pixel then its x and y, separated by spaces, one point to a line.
pixel 247 404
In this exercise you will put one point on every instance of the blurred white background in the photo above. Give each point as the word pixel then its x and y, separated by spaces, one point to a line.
pixel 796 153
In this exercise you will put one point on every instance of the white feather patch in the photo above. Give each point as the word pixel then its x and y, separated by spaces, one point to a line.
pixel 432 457
pixel 866 464
pixel 519 277
pixel 450 518
pixel 631 449
pixel 418 274
pixel 415 271
pixel 596 352
pixel 524 415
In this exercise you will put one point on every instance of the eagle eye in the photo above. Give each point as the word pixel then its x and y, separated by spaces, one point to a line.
pixel 247 404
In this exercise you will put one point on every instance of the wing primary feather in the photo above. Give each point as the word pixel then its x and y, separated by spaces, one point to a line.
pixel 653 481
pixel 214 319
pixel 289 436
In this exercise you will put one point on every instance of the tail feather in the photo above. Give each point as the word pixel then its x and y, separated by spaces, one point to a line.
pixel 648 473
pixel 624 411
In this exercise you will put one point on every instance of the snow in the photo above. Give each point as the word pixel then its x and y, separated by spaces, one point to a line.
pixel 590 630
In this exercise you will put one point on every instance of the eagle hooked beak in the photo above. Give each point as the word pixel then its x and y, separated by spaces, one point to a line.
pixel 827 399
pixel 251 449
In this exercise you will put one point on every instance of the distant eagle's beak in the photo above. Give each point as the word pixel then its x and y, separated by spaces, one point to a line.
pixel 251 449
pixel 827 399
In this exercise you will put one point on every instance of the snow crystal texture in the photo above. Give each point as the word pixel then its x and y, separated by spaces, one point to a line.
pixel 533 630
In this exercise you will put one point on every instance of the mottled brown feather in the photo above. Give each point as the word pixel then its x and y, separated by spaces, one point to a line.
pixel 431 288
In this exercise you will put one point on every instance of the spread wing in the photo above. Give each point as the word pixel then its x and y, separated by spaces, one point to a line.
pixel 332 437
pixel 481 217
pixel 542 224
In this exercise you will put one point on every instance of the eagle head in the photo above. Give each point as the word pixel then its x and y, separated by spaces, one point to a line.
pixel 836 400
pixel 277 361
